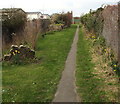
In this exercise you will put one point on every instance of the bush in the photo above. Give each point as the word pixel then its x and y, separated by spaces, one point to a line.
pixel 13 20
pixel 93 21
pixel 63 18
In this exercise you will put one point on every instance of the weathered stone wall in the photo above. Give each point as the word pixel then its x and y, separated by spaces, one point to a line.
pixel 110 27
pixel 119 32
pixel 106 22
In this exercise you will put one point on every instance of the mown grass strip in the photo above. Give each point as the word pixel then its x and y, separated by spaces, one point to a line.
pixel 88 85
pixel 37 82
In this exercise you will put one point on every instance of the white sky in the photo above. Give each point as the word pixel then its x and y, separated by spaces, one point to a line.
pixel 55 6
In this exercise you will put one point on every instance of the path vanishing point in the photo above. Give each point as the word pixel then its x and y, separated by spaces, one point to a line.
pixel 66 91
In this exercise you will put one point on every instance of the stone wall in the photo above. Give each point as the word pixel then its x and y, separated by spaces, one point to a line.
pixel 110 27
pixel 106 22
pixel 119 31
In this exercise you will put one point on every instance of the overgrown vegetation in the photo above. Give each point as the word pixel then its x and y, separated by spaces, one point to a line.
pixel 93 21
pixel 106 68
pixel 13 20
pixel 88 85
pixel 95 70
pixel 37 82
pixel 108 55
pixel 63 18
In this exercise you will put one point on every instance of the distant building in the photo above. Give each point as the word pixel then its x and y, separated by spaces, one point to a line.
pixel 37 15
pixel 33 15
pixel 6 11
pixel 45 16
pixel 76 20
pixel 30 15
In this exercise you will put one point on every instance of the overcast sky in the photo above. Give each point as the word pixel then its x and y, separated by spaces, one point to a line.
pixel 55 6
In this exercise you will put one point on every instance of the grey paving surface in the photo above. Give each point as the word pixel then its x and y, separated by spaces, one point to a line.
pixel 66 91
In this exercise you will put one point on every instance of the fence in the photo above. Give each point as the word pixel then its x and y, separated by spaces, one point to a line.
pixel 29 34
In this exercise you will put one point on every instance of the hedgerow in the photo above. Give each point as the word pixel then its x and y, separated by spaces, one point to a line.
pixel 93 21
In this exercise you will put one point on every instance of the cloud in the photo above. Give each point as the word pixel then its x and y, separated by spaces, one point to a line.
pixel 52 6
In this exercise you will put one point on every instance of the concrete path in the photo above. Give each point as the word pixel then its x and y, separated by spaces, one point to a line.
pixel 66 91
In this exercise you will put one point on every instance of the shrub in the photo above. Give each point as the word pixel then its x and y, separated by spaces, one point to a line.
pixel 63 18
pixel 93 21
pixel 13 20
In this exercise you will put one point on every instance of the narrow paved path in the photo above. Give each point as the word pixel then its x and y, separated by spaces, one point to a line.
pixel 66 91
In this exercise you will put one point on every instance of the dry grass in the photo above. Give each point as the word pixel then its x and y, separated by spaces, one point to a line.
pixel 105 73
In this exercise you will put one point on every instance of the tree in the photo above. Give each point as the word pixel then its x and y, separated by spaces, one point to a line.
pixel 63 18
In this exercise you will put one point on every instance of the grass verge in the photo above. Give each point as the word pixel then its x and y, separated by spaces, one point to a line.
pixel 37 82
pixel 88 85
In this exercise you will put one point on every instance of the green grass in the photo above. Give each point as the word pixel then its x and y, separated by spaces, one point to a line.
pixel 37 82
pixel 88 85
